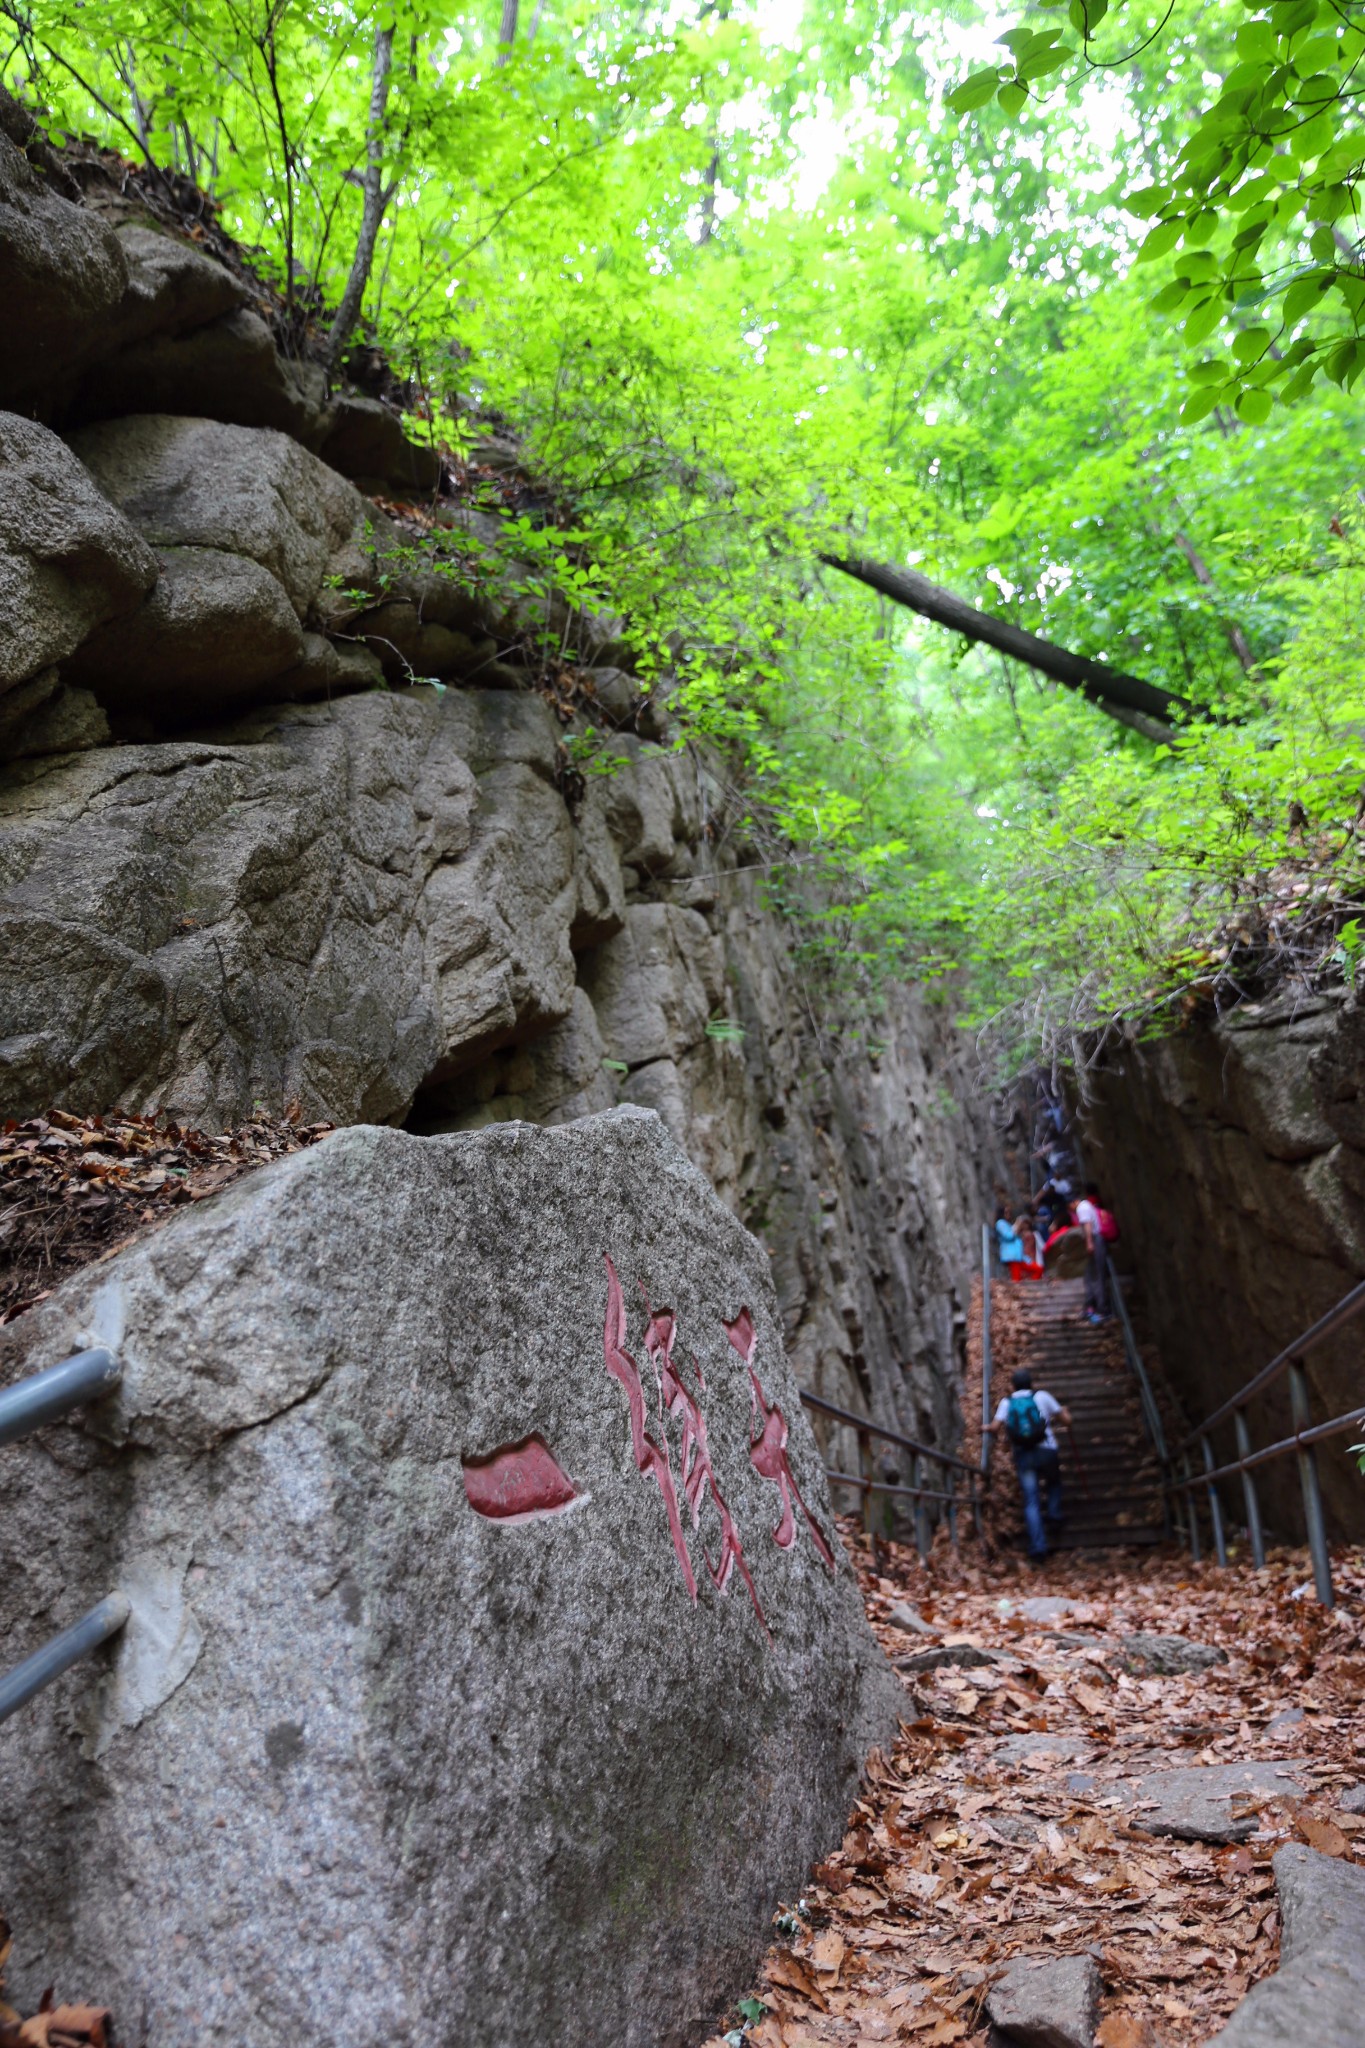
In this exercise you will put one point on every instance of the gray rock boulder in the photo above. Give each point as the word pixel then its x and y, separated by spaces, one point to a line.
pixel 68 559
pixel 904 1616
pixel 493 1664
pixel 243 490
pixel 227 369
pixel 1318 1992
pixel 1197 1805
pixel 215 635
pixel 342 903
pixel 63 276
pixel 172 286
pixel 1167 1656
pixel 366 442
pixel 46 716
pixel 1046 2002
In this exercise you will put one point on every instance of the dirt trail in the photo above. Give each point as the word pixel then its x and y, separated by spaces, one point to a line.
pixel 998 1827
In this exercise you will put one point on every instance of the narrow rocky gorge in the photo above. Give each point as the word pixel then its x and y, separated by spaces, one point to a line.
pixel 495 1660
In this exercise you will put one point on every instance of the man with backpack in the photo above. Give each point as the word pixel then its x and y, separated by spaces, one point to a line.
pixel 1026 1419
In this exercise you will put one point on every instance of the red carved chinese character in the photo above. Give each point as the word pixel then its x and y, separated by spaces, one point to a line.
pixel 649 1455
pixel 698 1473
pixel 768 1450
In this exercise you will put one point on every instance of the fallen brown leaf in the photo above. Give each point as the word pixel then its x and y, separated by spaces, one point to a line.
pixel 1323 1835
pixel 1126 2030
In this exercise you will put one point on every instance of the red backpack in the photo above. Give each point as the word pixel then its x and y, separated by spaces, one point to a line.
pixel 1109 1229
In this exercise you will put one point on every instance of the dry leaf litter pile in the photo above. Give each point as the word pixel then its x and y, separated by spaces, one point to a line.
pixel 1008 1821
pixel 74 1189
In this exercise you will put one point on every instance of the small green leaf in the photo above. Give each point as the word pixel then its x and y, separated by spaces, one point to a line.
pixel 974 91
pixel 1012 96
pixel 1149 199
pixel 1163 236
pixel 1202 321
pixel 1251 344
pixel 1305 292
pixel 1211 372
pixel 1198 406
pixel 1043 61
pixel 1254 406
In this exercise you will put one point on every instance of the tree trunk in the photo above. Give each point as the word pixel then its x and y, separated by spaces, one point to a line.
pixel 1143 706
pixel 1237 639
pixel 507 30
pixel 377 196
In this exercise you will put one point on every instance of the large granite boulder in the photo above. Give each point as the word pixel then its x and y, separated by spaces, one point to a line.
pixel 213 637
pixel 63 272
pixel 68 559
pixel 227 369
pixel 494 1668
pixel 244 490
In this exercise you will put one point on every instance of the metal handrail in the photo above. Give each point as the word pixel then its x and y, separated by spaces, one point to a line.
pixel 18 1686
pixel 47 1396
pixel 1326 1326
pixel 1301 1443
pixel 891 1436
pixel 29 1405
pixel 868 1485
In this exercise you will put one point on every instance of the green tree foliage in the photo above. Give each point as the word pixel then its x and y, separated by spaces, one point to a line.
pixel 760 287
pixel 1254 194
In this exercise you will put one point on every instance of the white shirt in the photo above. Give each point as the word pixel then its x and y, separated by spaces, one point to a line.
pixel 1087 1213
pixel 1047 1408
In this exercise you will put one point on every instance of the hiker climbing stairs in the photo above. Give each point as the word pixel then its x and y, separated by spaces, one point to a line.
pixel 1110 1473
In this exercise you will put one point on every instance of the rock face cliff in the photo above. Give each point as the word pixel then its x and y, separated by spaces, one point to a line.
pixel 301 803
pixel 1236 1158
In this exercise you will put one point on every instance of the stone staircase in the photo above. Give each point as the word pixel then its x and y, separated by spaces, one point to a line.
pixel 1109 1468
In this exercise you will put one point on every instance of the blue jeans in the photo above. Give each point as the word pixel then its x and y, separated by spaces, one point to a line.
pixel 1039 1467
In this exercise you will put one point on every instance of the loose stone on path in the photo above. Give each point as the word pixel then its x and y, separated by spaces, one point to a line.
pixel 1200 1804
pixel 1046 2002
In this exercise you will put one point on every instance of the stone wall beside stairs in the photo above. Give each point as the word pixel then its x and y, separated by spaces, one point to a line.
pixel 1234 1157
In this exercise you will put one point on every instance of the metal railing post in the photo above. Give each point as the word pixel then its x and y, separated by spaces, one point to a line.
pixel 1250 1498
pixel 952 1511
pixel 1192 1510
pixel 921 1506
pixel 865 1473
pixel 1308 1480
pixel 1220 1548
pixel 28 1405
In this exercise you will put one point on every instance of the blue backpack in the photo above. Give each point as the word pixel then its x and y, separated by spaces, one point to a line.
pixel 1024 1423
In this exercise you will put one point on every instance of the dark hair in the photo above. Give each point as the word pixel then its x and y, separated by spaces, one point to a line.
pixel 1022 1379
pixel 1092 1190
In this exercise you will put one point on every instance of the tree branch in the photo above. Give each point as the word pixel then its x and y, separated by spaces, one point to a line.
pixel 1133 702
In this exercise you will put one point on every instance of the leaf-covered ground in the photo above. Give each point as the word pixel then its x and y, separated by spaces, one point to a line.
pixel 76 1189
pixel 969 1847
